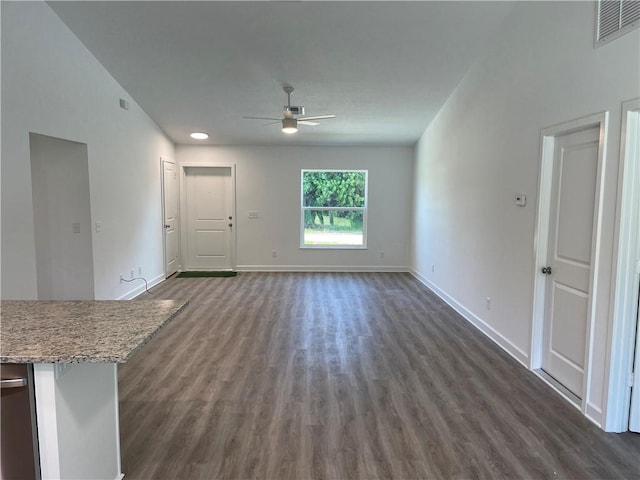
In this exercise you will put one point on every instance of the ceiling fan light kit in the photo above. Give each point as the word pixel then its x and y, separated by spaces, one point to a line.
pixel 289 125
pixel 289 120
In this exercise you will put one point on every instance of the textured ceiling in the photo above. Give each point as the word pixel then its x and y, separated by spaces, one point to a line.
pixel 383 68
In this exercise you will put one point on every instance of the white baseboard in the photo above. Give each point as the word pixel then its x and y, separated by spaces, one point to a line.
pixel 319 268
pixel 131 294
pixel 594 413
pixel 504 343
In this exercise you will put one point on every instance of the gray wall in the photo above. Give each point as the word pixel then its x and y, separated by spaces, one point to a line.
pixel 51 85
pixel 268 180
pixel 484 147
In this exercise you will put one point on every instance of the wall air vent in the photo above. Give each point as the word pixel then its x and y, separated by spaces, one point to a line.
pixel 614 18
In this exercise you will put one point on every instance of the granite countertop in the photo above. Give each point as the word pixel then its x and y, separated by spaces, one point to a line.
pixel 80 331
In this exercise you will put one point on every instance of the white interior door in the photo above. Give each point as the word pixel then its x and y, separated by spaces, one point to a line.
pixel 209 209
pixel 170 213
pixel 567 295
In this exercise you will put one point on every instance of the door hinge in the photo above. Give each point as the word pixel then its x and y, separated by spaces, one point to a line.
pixel 638 266
pixel 631 377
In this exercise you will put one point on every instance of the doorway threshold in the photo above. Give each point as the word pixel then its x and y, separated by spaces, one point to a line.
pixel 558 387
pixel 201 273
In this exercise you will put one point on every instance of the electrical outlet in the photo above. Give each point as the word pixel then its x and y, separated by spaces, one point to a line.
pixel 433 268
pixel 139 270
pixel 131 278
pixel 488 304
pixel 274 254
pixel 75 227
pixel 381 254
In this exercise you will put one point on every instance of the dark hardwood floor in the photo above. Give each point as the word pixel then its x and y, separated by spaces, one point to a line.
pixel 343 376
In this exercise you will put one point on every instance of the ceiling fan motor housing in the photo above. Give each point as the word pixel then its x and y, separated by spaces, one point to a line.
pixel 294 109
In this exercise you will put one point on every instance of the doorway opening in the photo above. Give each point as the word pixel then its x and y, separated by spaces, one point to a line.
pixel 568 231
pixel 623 400
pixel 634 404
pixel 62 218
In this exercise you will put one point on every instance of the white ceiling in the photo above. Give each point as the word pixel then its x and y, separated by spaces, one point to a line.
pixel 383 68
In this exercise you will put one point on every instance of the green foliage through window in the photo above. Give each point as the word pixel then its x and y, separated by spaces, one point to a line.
pixel 333 207
pixel 333 189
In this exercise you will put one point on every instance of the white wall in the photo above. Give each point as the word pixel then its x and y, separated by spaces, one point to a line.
pixel 51 85
pixel 483 148
pixel 77 417
pixel 60 186
pixel 268 180
pixel 87 414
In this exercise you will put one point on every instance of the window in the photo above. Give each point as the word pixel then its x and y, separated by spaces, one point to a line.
pixel 334 209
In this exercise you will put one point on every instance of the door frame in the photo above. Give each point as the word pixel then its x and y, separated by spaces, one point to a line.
pixel 541 240
pixel 622 333
pixel 164 160
pixel 182 168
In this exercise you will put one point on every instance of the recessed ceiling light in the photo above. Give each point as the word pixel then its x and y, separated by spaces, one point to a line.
pixel 199 135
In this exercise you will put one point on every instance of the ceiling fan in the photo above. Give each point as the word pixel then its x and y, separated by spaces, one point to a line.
pixel 290 120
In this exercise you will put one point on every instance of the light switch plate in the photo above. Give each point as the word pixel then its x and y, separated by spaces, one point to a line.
pixel 253 214
pixel 521 199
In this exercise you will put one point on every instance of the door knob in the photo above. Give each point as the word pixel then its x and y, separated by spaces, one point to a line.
pixel 231 224
pixel 167 226
pixel 546 270
pixel 230 218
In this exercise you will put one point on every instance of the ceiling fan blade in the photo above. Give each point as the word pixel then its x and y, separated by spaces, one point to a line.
pixel 263 118
pixel 316 117
pixel 304 122
pixel 272 123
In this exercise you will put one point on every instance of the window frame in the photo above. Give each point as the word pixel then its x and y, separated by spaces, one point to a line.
pixel 364 209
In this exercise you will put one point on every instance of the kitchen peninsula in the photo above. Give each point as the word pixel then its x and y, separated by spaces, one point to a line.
pixel 75 347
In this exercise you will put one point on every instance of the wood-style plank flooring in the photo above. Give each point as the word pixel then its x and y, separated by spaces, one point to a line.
pixel 343 376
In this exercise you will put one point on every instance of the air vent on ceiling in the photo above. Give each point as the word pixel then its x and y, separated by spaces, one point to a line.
pixel 615 18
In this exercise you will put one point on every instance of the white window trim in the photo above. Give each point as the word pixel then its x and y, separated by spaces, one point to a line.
pixel 364 210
